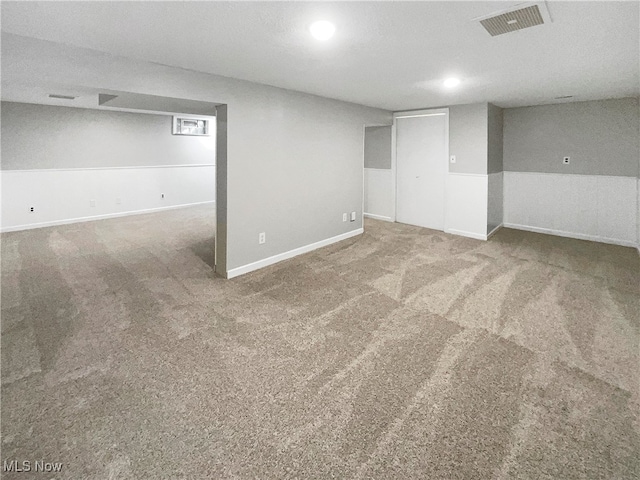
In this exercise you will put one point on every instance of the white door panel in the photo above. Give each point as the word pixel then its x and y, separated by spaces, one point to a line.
pixel 421 160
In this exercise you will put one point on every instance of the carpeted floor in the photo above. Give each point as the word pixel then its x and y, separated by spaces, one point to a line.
pixel 403 353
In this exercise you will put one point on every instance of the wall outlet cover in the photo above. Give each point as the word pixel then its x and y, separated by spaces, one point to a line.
pixel 344 217
pixel 566 160
pixel 262 238
pixel 353 216
pixel 452 159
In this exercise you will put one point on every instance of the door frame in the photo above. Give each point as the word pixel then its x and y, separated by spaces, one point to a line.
pixel 394 175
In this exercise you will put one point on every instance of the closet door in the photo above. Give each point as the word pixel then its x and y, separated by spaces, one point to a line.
pixel 421 163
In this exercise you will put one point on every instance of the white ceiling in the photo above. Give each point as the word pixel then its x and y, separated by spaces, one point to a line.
pixel 392 55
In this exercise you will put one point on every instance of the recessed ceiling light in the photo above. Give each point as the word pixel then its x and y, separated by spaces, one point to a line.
pixel 451 82
pixel 322 30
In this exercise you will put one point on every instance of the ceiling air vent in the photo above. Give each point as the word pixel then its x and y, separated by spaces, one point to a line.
pixel 63 97
pixel 516 18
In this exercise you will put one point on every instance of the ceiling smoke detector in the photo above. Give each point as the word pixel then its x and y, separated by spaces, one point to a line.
pixel 515 18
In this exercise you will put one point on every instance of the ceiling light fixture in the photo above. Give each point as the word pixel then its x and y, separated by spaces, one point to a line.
pixel 322 30
pixel 451 82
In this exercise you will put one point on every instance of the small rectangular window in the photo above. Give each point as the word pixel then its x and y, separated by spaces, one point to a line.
pixel 190 126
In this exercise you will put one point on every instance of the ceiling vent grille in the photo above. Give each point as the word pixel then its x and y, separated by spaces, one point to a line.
pixel 63 97
pixel 517 18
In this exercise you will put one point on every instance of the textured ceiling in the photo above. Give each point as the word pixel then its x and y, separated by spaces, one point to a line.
pixel 392 55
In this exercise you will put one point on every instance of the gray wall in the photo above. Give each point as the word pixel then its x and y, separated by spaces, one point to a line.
pixel 46 136
pixel 495 126
pixel 468 126
pixel 377 147
pixel 601 137
pixel 294 161
pixel 494 165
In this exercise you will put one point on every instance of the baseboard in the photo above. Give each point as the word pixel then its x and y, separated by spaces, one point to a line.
pixel 234 272
pixel 493 232
pixel 578 236
pixel 477 236
pixel 378 217
pixel 68 221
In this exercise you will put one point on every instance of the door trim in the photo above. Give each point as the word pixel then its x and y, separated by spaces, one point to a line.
pixel 410 114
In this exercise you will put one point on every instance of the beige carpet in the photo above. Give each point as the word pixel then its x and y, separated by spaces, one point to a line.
pixel 403 353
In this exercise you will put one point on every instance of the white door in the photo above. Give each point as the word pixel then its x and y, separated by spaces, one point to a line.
pixel 421 162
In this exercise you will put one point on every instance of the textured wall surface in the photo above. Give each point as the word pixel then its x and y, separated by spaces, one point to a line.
pixel 468 132
pixel 601 137
pixel 377 147
pixel 47 136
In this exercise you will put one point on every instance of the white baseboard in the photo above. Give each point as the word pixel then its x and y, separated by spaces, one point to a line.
pixel 579 236
pixel 493 232
pixel 477 236
pixel 378 217
pixel 68 221
pixel 234 272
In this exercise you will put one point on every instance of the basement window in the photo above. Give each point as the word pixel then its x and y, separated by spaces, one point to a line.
pixel 190 126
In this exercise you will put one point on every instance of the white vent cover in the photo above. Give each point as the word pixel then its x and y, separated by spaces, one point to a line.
pixel 516 18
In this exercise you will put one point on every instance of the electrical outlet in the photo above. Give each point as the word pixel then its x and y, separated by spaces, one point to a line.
pixel 344 217
pixel 162 195
pixel 452 159
pixel 262 238
pixel 31 209
pixel 566 160
pixel 92 203
pixel 353 216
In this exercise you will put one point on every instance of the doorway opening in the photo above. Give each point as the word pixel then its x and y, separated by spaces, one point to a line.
pixel 114 154
pixel 377 173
